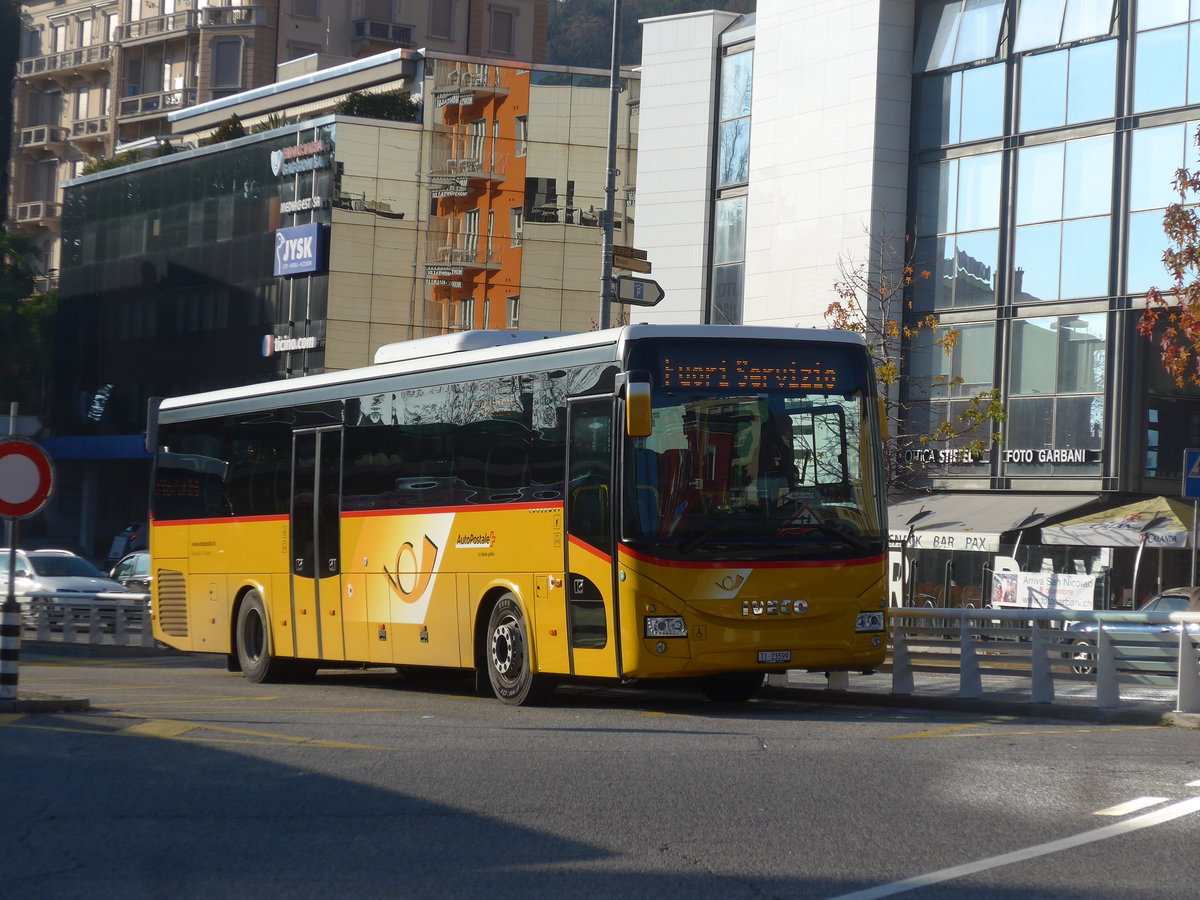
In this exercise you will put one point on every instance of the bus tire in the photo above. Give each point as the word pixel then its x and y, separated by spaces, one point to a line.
pixel 731 687
pixel 507 656
pixel 252 639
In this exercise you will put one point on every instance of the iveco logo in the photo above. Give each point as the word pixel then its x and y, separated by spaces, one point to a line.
pixel 774 607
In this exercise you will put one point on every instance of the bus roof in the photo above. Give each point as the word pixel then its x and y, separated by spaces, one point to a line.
pixel 474 347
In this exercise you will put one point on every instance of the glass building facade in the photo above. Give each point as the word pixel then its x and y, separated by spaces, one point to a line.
pixel 1045 139
pixel 172 262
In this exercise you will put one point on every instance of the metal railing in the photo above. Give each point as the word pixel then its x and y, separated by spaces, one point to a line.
pixel 118 620
pixel 1040 647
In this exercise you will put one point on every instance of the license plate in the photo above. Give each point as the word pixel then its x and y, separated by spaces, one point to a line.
pixel 774 656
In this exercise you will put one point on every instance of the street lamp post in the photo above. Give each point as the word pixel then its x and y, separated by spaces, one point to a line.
pixel 610 184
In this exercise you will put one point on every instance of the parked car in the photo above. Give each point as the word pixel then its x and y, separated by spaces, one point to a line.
pixel 131 537
pixel 1083 634
pixel 133 571
pixel 41 572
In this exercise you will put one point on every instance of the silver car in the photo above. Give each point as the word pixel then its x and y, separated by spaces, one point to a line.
pixel 42 572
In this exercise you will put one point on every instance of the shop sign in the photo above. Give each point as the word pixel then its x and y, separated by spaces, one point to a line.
pixel 1051 455
pixel 299 158
pixel 443 271
pixel 298 250
pixel 281 343
pixel 303 205
pixel 1042 590
pixel 439 193
pixel 946 540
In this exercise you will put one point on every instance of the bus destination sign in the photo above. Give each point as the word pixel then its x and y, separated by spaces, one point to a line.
pixel 723 372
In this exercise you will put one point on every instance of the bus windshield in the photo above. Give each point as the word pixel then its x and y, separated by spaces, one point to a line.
pixel 775 474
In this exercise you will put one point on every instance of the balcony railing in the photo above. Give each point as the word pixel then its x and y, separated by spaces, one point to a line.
pixel 40 212
pixel 239 16
pixel 172 24
pixel 151 104
pixel 97 128
pixel 460 82
pixel 93 57
pixel 41 136
pixel 367 31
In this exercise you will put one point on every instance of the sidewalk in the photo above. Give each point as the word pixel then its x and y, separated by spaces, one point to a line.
pixel 1002 696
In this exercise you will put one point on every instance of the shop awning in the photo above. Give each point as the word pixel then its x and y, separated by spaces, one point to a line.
pixel 1158 522
pixel 965 521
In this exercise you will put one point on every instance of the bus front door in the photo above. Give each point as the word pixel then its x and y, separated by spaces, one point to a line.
pixel 591 613
pixel 316 563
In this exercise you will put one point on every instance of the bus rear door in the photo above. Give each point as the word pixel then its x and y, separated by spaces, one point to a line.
pixel 316 563
pixel 591 612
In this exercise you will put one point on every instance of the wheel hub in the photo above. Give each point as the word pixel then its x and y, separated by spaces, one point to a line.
pixel 506 649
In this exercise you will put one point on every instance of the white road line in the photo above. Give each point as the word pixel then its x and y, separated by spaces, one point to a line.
pixel 1124 809
pixel 1194 783
pixel 1166 814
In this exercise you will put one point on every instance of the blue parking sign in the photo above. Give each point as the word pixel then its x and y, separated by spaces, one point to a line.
pixel 1191 474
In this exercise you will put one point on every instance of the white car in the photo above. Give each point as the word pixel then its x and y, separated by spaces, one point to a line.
pixel 42 572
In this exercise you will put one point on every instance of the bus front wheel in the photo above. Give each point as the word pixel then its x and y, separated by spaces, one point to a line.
pixel 507 653
pixel 253 642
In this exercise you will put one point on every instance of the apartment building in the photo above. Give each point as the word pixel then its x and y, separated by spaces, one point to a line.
pixel 96 78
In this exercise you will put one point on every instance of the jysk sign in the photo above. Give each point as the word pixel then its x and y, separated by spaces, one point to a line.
pixel 298 250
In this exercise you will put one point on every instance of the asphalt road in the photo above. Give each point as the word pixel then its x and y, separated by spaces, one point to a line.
pixel 183 781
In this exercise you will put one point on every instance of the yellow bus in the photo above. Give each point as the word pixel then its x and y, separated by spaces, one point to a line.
pixel 646 502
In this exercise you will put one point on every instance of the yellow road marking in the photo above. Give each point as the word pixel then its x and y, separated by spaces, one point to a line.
pixel 1124 809
pixel 949 729
pixel 162 728
pixel 9 718
pixel 175 730
pixel 203 700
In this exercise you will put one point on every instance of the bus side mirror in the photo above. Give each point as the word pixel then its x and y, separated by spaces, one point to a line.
pixel 638 421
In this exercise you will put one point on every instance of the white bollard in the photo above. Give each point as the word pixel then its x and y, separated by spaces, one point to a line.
pixel 902 673
pixel 1187 698
pixel 1108 691
pixel 10 648
pixel 970 682
pixel 1041 688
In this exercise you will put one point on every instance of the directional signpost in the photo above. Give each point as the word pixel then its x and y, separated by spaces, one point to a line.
pixel 26 479
pixel 638 291
pixel 1191 491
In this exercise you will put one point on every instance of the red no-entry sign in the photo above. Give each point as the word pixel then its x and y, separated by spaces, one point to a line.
pixel 26 477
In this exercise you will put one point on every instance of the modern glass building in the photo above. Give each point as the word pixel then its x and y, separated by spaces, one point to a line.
pixel 1021 152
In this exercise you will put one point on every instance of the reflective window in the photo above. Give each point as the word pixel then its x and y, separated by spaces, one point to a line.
pixel 1056 395
pixel 962 106
pixel 1156 13
pixel 733 138
pixel 1160 73
pixel 1061 242
pixel 1044 23
pixel 951 32
pixel 729 244
pixel 963 372
pixel 1157 154
pixel 958 212
pixel 1068 86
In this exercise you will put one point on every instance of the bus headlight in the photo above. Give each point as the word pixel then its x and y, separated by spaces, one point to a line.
pixel 665 627
pixel 868 623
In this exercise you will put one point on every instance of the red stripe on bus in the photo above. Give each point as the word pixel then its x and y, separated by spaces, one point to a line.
pixel 756 564
pixel 429 510
pixel 588 548
pixel 162 523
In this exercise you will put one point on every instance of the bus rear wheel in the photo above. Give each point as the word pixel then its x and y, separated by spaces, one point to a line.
pixel 731 687
pixel 507 655
pixel 253 643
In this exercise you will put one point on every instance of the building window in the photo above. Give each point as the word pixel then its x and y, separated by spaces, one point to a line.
pixel 961 106
pixel 1165 74
pixel 503 32
pixel 85 32
pixel 296 50
pixel 81 102
pixel 306 9
pixel 466 313
pixel 1063 222
pixel 1056 394
pixel 952 32
pixel 32 45
pixel 377 10
pixel 513 317
pixel 516 224
pixel 58 38
pixel 729 254
pixel 958 221
pixel 1068 86
pixel 226 65
pixel 522 134
pixel 733 130
pixel 1157 154
pixel 441 18
pixel 470 237
pixel 1046 23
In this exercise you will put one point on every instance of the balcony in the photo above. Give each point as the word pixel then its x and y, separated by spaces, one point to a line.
pixel 46 213
pixel 463 83
pixel 96 58
pixel 96 129
pixel 369 37
pixel 461 160
pixel 173 25
pixel 233 17
pixel 42 137
pixel 155 104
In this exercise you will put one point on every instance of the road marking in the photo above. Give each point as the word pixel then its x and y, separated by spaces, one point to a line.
pixel 1166 814
pixel 1193 783
pixel 161 728
pixel 1124 809
pixel 983 734
pixel 949 729
pixel 9 718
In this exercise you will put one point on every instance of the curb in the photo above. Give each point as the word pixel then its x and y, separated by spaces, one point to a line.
pixel 41 703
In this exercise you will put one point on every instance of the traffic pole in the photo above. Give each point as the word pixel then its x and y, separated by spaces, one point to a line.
pixel 10 624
